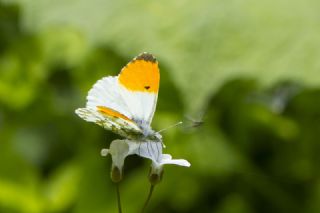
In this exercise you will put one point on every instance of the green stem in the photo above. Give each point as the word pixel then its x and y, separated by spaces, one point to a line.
pixel 118 198
pixel 148 198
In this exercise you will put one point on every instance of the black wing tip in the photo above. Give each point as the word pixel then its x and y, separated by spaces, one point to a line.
pixel 146 57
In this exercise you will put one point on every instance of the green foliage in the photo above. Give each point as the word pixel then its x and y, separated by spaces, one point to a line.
pixel 246 71
pixel 268 40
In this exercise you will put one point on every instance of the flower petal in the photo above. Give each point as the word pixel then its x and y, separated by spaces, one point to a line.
pixel 104 152
pixel 119 150
pixel 133 145
pixel 167 159
pixel 149 149
pixel 157 168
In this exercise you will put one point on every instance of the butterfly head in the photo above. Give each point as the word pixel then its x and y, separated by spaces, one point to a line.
pixel 148 132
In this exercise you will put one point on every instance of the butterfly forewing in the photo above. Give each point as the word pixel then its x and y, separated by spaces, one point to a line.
pixel 139 86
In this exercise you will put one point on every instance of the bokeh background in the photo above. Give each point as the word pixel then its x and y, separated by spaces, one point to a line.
pixel 243 75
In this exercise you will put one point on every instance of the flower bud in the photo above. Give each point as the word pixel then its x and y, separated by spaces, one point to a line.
pixel 116 174
pixel 155 176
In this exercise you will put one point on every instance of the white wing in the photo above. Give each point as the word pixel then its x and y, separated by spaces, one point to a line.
pixel 140 104
pixel 105 92
pixel 133 93
pixel 139 85
pixel 125 128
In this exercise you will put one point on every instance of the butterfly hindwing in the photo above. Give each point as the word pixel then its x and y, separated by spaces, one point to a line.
pixel 117 124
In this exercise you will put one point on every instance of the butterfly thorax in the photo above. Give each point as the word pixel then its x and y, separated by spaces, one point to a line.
pixel 147 132
pixel 150 136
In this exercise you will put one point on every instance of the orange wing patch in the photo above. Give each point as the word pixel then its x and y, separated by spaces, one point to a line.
pixel 110 112
pixel 141 74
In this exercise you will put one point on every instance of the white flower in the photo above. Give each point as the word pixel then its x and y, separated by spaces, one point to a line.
pixel 156 171
pixel 120 149
pixel 167 159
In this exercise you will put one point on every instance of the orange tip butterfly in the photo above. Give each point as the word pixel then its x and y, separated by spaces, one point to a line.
pixel 125 104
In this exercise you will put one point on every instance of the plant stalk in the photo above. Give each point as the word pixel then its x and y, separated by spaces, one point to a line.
pixel 148 198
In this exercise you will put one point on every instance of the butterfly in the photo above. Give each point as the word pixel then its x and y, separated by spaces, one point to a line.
pixel 125 104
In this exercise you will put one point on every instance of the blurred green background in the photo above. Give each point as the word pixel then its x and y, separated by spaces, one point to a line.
pixel 249 70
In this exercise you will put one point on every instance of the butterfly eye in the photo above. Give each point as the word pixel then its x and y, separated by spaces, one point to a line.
pixel 147 87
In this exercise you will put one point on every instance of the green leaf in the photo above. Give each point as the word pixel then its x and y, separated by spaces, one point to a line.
pixel 204 42
pixel 62 187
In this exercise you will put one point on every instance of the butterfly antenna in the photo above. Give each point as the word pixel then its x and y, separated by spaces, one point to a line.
pixel 169 127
